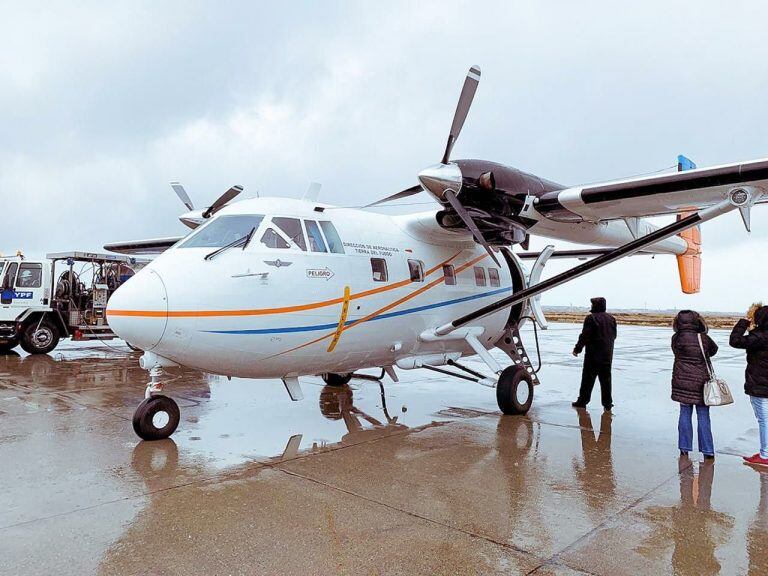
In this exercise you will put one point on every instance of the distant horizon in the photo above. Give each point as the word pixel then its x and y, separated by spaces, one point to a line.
pixel 556 308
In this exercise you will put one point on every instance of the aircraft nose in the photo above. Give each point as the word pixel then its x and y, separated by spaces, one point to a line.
pixel 138 311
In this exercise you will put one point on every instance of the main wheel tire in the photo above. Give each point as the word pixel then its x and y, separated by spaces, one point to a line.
pixel 39 338
pixel 514 392
pixel 337 379
pixel 8 345
pixel 156 418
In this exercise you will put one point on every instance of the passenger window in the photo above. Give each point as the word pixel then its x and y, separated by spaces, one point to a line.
pixel 272 239
pixel 316 242
pixel 222 230
pixel 379 269
pixel 416 268
pixel 480 276
pixel 449 274
pixel 292 229
pixel 334 242
pixel 493 275
pixel 10 275
pixel 30 276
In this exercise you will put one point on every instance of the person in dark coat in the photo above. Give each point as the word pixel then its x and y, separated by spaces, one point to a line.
pixel 597 336
pixel 689 375
pixel 751 334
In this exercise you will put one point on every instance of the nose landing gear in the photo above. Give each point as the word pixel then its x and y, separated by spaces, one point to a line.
pixel 157 416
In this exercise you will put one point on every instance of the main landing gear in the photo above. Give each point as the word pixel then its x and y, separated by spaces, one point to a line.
pixel 157 416
pixel 514 385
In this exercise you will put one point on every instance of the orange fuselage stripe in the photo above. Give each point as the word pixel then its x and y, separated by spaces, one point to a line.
pixel 267 311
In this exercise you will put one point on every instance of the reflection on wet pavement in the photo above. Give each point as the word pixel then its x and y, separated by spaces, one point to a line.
pixel 422 476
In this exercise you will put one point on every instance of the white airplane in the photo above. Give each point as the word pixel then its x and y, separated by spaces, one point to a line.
pixel 282 288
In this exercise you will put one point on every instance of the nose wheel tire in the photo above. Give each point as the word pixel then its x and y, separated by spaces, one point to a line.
pixel 156 418
pixel 39 338
pixel 514 392
pixel 337 379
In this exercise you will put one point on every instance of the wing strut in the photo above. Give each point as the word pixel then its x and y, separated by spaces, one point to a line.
pixel 626 250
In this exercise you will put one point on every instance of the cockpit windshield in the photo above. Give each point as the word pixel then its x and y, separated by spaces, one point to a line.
pixel 222 231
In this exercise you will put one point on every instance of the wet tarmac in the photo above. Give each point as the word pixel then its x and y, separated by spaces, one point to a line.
pixel 420 477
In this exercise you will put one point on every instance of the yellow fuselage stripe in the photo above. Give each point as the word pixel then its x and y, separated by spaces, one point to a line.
pixel 342 320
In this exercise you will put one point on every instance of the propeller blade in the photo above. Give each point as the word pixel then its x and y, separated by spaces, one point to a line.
pixel 221 201
pixel 402 194
pixel 462 109
pixel 467 219
pixel 183 196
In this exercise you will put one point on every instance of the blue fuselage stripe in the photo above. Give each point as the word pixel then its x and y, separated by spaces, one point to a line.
pixel 313 328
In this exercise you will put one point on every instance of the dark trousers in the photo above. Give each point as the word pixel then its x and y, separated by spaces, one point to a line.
pixel 588 375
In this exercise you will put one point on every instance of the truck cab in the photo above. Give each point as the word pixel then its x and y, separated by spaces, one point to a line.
pixel 24 291
pixel 62 296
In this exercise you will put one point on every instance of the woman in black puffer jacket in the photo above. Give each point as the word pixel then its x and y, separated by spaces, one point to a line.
pixel 755 342
pixel 689 375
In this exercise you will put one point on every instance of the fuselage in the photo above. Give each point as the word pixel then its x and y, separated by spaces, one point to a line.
pixel 316 289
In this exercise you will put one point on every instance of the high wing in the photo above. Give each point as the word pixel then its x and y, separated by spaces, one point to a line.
pixel 149 246
pixel 657 195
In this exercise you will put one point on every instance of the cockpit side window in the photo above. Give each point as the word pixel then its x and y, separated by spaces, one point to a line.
pixel 316 242
pixel 30 276
pixel 222 230
pixel 292 228
pixel 272 239
pixel 334 242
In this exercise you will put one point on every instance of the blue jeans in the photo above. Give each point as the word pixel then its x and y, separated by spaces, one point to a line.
pixel 760 406
pixel 685 429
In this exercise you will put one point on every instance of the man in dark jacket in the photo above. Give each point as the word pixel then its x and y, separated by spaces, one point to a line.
pixel 756 376
pixel 597 337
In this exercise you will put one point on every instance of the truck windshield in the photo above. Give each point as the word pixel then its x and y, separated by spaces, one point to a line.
pixel 222 231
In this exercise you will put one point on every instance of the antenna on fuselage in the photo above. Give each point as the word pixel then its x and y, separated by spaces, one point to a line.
pixel 312 192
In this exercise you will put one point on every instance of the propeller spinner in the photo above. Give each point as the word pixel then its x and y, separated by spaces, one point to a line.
pixel 444 180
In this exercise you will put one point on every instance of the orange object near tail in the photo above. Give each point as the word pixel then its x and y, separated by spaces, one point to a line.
pixel 689 264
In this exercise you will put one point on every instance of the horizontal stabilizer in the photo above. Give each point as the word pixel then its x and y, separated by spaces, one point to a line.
pixel 149 246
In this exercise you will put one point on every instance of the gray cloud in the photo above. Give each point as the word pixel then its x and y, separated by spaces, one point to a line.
pixel 103 104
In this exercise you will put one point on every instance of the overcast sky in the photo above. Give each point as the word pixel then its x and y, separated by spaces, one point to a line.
pixel 102 104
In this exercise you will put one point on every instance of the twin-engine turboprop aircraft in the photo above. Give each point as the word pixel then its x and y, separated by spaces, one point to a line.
pixel 274 287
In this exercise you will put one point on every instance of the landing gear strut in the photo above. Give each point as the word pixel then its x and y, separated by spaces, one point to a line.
pixel 514 384
pixel 157 416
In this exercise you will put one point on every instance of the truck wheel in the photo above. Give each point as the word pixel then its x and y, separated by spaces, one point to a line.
pixel 337 379
pixel 514 392
pixel 39 339
pixel 156 418
pixel 7 345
